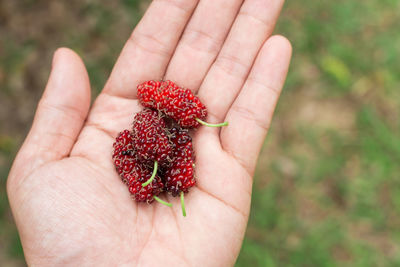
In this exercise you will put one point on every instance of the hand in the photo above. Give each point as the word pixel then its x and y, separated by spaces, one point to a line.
pixel 69 204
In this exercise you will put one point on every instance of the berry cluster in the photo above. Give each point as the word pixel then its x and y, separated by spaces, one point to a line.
pixel 157 154
pixel 151 141
pixel 132 172
pixel 178 177
pixel 177 103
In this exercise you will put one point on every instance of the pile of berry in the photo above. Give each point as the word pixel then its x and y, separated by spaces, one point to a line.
pixel 157 155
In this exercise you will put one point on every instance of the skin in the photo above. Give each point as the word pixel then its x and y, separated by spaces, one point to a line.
pixel 68 202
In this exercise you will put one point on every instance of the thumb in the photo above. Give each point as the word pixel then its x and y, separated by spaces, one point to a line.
pixel 60 114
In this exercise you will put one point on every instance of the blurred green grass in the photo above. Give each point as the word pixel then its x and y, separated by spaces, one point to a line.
pixel 327 186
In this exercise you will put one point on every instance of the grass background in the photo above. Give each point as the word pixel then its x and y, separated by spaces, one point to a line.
pixel 327 186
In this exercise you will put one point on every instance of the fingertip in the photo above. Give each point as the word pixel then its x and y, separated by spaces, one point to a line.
pixel 282 42
pixel 66 52
pixel 273 61
pixel 66 57
pixel 61 54
pixel 68 86
pixel 69 78
pixel 281 47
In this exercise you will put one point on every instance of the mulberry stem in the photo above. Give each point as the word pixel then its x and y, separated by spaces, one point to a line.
pixel 162 201
pixel 183 204
pixel 210 124
pixel 153 175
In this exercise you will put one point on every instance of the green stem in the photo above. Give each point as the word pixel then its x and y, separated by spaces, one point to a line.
pixel 153 175
pixel 183 204
pixel 210 124
pixel 162 201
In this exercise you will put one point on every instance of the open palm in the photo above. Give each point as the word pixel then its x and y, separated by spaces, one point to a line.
pixel 67 199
